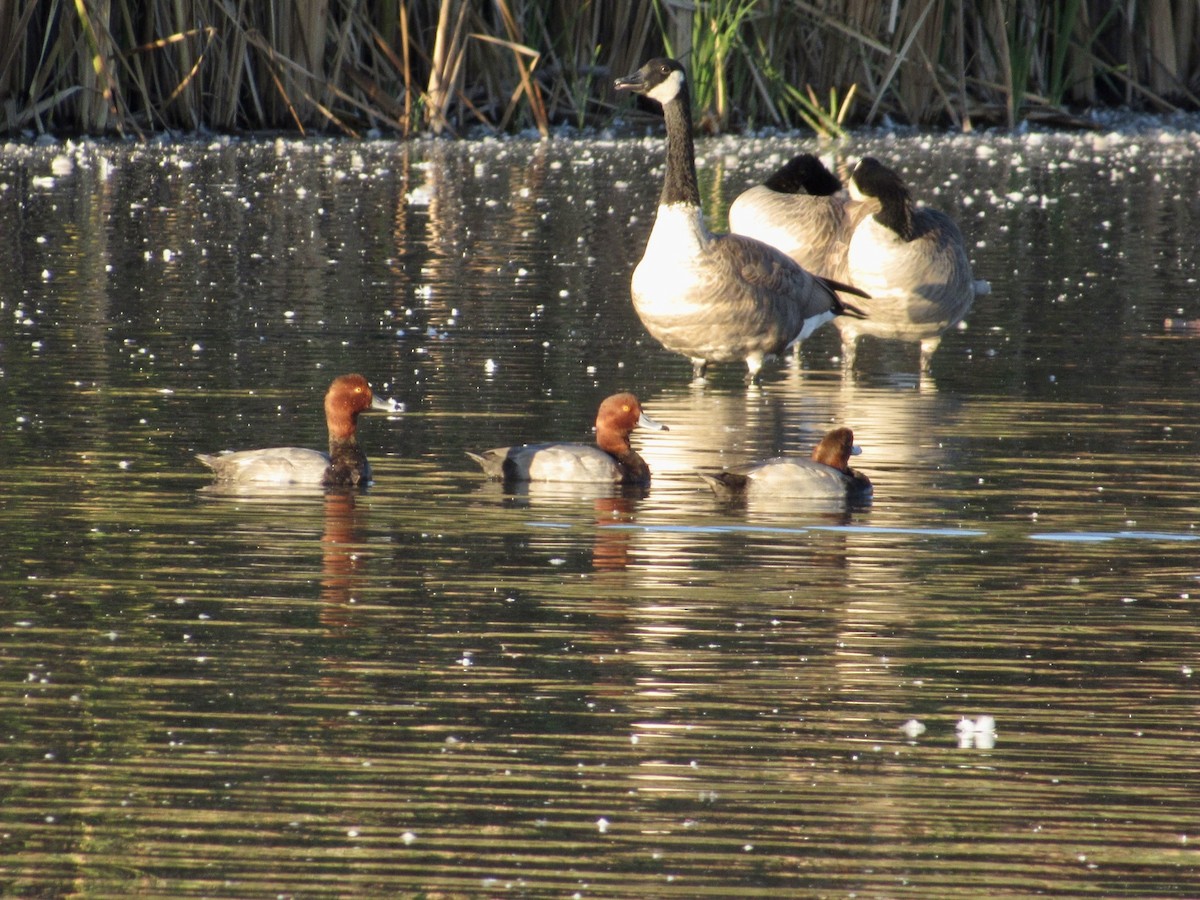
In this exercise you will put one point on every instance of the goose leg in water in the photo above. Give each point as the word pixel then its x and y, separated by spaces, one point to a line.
pixel 928 348
pixel 849 348
pixel 754 363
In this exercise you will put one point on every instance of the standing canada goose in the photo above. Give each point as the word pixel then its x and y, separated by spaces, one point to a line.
pixel 911 261
pixel 800 209
pixel 715 297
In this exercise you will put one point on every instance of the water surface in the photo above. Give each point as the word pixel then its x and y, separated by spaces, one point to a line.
pixel 440 688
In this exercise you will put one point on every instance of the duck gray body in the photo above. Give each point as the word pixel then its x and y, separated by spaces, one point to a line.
pixel 561 462
pixel 279 465
pixel 826 476
pixel 610 460
pixel 784 476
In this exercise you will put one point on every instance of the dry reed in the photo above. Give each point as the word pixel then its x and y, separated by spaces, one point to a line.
pixel 448 66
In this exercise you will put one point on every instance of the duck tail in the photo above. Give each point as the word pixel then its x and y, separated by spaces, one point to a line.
pixel 726 485
pixel 492 467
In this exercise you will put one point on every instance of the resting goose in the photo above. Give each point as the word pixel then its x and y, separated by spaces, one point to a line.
pixel 800 209
pixel 911 261
pixel 715 297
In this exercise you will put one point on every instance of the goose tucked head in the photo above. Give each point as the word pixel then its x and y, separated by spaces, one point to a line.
pixel 660 79
pixel 616 419
pixel 872 179
pixel 836 448
pixel 804 174
pixel 348 396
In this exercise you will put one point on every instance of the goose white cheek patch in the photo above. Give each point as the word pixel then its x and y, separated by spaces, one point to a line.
pixel 667 91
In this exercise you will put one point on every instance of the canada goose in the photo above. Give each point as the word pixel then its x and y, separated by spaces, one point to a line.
pixel 911 261
pixel 715 298
pixel 610 460
pixel 827 475
pixel 800 209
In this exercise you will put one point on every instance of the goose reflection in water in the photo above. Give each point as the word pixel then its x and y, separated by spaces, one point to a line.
pixel 907 435
pixel 706 427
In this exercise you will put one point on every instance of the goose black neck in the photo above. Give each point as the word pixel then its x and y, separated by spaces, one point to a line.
pixel 896 212
pixel 680 185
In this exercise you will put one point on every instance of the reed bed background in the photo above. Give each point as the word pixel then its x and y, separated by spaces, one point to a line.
pixel 456 67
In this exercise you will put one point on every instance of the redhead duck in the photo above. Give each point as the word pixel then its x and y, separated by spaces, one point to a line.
pixel 344 465
pixel 911 260
pixel 611 461
pixel 800 209
pixel 715 297
pixel 826 476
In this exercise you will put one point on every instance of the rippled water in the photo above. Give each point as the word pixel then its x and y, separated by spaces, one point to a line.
pixel 437 688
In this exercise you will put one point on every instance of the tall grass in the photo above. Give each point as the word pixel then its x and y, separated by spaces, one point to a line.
pixel 452 66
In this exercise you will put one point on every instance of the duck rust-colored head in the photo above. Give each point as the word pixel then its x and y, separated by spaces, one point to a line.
pixel 616 419
pixel 835 449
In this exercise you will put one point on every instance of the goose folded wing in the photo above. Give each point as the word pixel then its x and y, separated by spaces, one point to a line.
pixel 763 268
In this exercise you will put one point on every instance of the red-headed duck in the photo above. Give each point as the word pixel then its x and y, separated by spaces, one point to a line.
pixel 801 209
pixel 344 465
pixel 826 476
pixel 911 261
pixel 612 460
pixel 715 297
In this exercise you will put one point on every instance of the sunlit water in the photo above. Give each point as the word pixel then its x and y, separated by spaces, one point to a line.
pixel 441 687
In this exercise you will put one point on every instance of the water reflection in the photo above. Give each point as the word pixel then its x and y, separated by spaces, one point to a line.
pixel 341 562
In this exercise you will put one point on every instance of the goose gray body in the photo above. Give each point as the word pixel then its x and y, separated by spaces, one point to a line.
pixel 724 298
pixel 715 297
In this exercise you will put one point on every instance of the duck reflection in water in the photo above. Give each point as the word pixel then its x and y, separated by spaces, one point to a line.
pixel 615 508
pixel 610 553
pixel 341 557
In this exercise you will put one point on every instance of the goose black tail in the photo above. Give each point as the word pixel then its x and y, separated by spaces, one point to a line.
pixel 843 307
